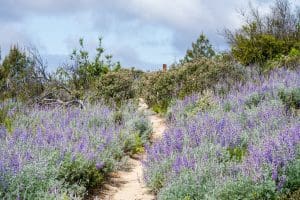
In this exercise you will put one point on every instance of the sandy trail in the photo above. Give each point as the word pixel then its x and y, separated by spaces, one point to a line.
pixel 129 185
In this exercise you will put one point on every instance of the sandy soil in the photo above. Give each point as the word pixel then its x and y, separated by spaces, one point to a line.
pixel 129 184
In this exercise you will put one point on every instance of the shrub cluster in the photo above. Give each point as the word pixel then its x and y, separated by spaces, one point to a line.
pixel 117 86
pixel 159 88
pixel 268 39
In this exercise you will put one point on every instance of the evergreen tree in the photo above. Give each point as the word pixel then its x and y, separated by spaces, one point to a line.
pixel 18 76
pixel 202 48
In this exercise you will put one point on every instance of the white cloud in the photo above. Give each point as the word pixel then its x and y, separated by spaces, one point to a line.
pixel 135 31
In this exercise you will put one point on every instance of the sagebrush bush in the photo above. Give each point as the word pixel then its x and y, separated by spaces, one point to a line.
pixel 117 86
pixel 160 88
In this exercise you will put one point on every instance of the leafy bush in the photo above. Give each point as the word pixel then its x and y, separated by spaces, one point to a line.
pixel 159 88
pixel 85 71
pixel 254 100
pixel 117 86
pixel 187 186
pixel 258 49
pixel 292 60
pixel 79 171
pixel 247 189
pixel 292 183
pixel 291 98
pixel 268 39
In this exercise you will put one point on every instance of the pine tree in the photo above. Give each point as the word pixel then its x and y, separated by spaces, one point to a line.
pixel 202 48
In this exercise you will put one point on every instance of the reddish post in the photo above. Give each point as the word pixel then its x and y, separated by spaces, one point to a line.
pixel 164 67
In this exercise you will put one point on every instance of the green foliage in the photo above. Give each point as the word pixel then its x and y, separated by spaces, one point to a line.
pixel 161 108
pixel 266 39
pixel 79 171
pixel 186 186
pixel 118 117
pixel 292 183
pixel 143 129
pixel 117 86
pixel 291 98
pixel 292 60
pixel 202 48
pixel 19 78
pixel 85 70
pixel 79 78
pixel 258 48
pixel 157 181
pixel 247 189
pixel 6 119
pixel 3 114
pixel 254 100
pixel 293 196
pixel 138 135
pixel 237 153
pixel 159 88
pixel 227 107
pixel 204 103
pixel 294 52
pixel 134 145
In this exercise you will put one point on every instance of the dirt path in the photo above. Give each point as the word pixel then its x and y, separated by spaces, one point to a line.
pixel 129 185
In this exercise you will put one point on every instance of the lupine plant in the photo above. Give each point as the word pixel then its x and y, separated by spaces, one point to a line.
pixel 242 145
pixel 61 153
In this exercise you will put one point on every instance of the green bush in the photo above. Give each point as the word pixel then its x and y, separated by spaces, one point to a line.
pixel 159 88
pixel 6 119
pixel 254 100
pixel 186 187
pixel 293 196
pixel 137 133
pixel 291 98
pixel 237 153
pixel 292 60
pixel 292 183
pixel 204 103
pixel 117 86
pixel 78 171
pixel 3 114
pixel 268 39
pixel 247 189
pixel 258 49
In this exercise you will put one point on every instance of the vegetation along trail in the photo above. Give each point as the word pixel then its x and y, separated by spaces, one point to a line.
pixel 129 184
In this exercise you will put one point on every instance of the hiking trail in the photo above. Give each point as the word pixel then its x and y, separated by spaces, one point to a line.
pixel 129 184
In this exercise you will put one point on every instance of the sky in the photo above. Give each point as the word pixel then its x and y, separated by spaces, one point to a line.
pixel 139 33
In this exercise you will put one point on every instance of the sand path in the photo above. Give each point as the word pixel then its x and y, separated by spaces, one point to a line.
pixel 129 184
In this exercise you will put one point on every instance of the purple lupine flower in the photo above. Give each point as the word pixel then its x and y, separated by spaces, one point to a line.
pixel 99 165
pixel 3 132
pixel 182 163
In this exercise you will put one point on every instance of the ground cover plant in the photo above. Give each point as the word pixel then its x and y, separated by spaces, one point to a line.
pixel 242 145
pixel 50 153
